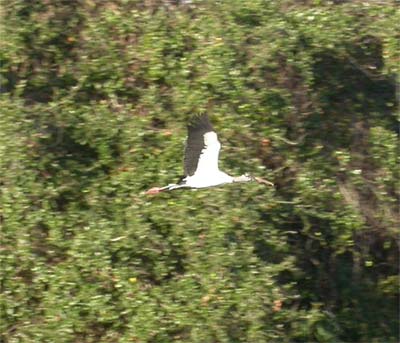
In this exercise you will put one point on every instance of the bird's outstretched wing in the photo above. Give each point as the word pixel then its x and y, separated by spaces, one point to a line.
pixel 202 147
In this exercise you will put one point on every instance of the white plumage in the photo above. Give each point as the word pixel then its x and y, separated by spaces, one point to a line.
pixel 207 173
pixel 201 160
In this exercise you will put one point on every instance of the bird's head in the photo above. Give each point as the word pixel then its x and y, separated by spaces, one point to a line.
pixel 247 178
pixel 243 178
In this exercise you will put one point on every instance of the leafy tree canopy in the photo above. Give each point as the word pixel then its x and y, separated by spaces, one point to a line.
pixel 95 100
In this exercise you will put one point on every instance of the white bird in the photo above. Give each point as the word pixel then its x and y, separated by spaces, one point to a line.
pixel 201 160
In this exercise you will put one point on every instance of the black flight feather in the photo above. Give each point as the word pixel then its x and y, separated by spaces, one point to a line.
pixel 198 127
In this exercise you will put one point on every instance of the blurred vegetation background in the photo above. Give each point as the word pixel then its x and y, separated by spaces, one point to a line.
pixel 95 99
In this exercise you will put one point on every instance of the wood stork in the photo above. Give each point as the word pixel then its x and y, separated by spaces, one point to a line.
pixel 201 160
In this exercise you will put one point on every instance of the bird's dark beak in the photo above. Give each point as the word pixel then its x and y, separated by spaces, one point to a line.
pixel 263 181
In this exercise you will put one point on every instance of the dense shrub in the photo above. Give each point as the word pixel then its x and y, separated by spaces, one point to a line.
pixel 95 100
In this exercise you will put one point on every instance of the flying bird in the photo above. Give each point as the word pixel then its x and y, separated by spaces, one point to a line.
pixel 201 160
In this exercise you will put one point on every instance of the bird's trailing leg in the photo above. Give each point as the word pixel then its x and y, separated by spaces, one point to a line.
pixel 153 190
pixel 170 187
pixel 156 190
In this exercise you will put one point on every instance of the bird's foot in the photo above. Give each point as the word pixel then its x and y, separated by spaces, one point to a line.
pixel 154 190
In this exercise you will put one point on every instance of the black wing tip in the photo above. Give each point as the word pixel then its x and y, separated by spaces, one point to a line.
pixel 200 121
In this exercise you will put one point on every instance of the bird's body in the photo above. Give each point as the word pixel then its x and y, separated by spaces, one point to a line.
pixel 201 160
pixel 208 180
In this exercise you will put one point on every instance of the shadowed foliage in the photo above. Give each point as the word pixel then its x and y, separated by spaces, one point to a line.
pixel 95 99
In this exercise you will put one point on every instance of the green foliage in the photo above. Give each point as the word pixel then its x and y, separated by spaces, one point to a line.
pixel 95 100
